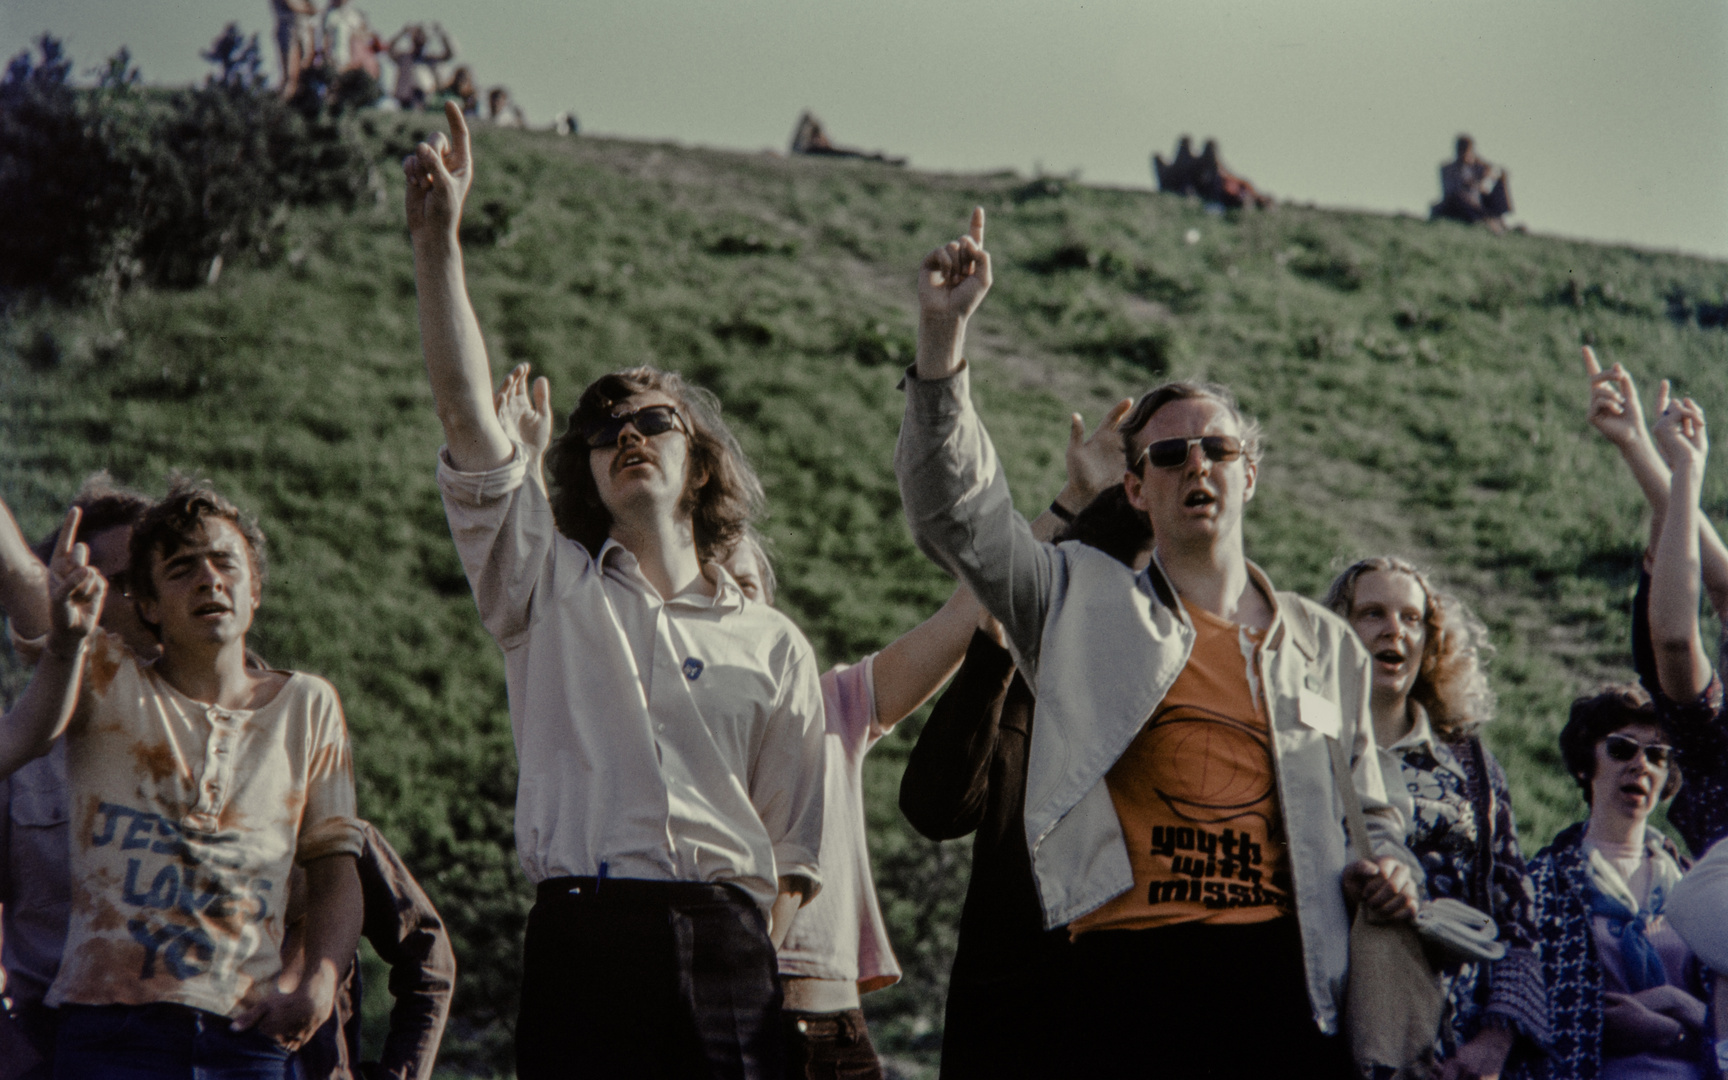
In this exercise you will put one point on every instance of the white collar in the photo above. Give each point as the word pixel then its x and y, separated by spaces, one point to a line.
pixel 1421 736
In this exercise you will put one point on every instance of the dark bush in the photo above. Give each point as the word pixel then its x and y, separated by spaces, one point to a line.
pixel 109 184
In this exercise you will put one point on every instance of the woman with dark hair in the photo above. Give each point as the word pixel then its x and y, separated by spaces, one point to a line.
pixel 1625 992
pixel 967 774
pixel 1429 695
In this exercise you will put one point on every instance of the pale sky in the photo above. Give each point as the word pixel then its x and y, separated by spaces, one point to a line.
pixel 1612 116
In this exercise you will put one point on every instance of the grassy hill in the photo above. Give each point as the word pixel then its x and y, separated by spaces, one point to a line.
pixel 1420 386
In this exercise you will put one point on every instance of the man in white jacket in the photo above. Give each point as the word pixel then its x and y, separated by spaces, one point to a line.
pixel 1181 810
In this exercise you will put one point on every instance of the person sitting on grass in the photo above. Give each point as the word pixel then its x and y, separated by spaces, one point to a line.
pixel 197 783
pixel 1472 190
pixel 669 733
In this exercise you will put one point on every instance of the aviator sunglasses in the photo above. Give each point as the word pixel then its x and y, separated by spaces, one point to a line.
pixel 1625 748
pixel 650 420
pixel 1171 453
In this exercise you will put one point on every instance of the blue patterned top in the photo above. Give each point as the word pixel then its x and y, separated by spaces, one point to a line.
pixel 1461 828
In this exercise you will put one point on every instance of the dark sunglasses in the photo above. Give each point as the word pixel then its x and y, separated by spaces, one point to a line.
pixel 1171 453
pixel 1625 748
pixel 650 420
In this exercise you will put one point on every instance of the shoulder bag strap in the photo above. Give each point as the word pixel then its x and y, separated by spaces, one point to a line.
pixel 1355 823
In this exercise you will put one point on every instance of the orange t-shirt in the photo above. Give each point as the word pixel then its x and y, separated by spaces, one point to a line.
pixel 1198 800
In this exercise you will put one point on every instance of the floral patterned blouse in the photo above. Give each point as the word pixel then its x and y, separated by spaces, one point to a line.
pixel 1457 802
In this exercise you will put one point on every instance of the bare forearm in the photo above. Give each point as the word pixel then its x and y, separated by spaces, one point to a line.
pixel 941 343
pixel 785 909
pixel 917 663
pixel 1681 664
pixel 456 357
pixel 23 580
pixel 42 712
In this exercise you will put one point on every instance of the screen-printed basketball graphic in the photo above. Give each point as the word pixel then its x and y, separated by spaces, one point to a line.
pixel 1206 767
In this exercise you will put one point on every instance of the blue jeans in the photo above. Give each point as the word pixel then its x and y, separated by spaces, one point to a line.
pixel 161 1042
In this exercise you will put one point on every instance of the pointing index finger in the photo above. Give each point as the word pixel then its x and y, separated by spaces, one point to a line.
pixel 68 533
pixel 1591 367
pixel 977 229
pixel 458 136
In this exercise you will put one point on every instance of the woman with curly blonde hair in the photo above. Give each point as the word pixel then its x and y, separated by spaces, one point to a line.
pixel 1429 695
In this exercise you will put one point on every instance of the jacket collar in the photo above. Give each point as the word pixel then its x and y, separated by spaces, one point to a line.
pixel 1299 629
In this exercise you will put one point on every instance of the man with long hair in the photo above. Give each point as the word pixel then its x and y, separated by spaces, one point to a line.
pixel 1181 811
pixel 669 731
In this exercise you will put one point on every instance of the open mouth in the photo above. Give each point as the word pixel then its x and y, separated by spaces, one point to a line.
pixel 1636 788
pixel 630 459
pixel 1199 497
pixel 210 610
pixel 1390 657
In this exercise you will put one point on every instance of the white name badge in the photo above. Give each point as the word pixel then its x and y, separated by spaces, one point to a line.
pixel 1320 713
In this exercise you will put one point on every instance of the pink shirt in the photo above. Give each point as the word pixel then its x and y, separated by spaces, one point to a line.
pixel 840 934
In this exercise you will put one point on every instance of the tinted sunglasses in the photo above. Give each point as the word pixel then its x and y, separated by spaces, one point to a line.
pixel 650 420
pixel 1171 453
pixel 1625 748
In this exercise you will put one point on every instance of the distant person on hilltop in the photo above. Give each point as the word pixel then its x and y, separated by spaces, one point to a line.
pixel 502 109
pixel 350 48
pixel 417 79
pixel 669 731
pixel 1205 175
pixel 295 40
pixel 810 138
pixel 1472 190
pixel 462 90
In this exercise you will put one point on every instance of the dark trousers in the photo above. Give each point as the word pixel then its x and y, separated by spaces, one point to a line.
pixel 1196 1001
pixel 161 1042
pixel 829 1046
pixel 649 980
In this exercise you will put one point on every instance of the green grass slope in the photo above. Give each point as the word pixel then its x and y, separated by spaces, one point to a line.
pixel 1419 383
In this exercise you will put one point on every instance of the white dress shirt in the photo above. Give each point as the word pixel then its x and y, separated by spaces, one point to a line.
pixel 671 740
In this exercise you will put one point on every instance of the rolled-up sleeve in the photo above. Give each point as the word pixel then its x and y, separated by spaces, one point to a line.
pixel 961 515
pixel 503 530
pixel 788 781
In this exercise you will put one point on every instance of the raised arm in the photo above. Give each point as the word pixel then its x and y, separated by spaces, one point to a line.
pixel 440 173
pixel 75 605
pixel 952 282
pixel 919 661
pixel 1616 412
pixel 23 580
pixel 1682 665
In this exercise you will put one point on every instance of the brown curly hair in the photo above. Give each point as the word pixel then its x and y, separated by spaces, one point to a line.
pixel 171 524
pixel 1450 684
pixel 722 494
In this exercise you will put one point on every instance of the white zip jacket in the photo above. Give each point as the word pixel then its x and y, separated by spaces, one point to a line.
pixel 1101 646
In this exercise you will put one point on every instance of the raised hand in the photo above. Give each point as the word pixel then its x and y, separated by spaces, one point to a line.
pixel 440 172
pixel 526 416
pixel 953 278
pixel 1614 407
pixel 75 591
pixel 1680 434
pixel 1095 461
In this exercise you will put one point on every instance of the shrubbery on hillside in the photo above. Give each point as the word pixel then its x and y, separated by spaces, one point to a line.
pixel 116 183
